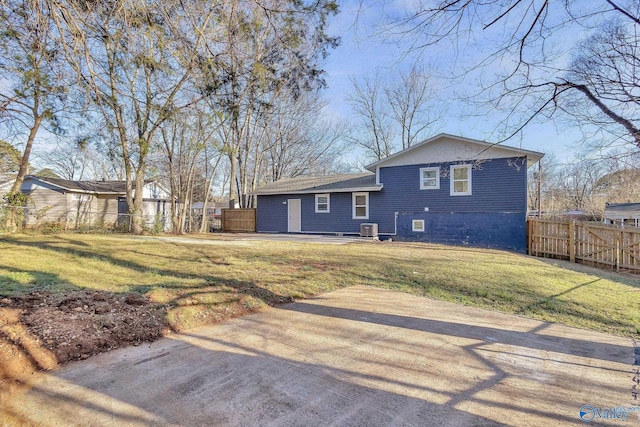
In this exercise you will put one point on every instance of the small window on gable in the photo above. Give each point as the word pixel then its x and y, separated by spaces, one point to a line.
pixel 360 205
pixel 430 178
pixel 417 225
pixel 322 203
pixel 460 180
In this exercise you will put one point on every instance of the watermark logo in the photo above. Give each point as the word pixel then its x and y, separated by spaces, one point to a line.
pixel 589 413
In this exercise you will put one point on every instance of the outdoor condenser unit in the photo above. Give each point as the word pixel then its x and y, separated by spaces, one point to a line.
pixel 369 230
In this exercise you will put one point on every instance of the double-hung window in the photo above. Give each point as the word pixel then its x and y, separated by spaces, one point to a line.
pixel 460 180
pixel 323 202
pixel 430 178
pixel 360 205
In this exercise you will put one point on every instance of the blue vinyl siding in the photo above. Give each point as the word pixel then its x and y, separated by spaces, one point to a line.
pixel 272 214
pixel 498 200
pixel 490 230
pixel 498 185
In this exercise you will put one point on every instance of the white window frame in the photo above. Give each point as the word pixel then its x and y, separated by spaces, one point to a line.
pixel 451 180
pixel 353 205
pixel 425 187
pixel 328 196
pixel 419 229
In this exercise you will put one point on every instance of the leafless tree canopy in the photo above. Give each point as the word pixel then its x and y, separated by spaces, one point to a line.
pixel 537 74
pixel 167 85
pixel 393 113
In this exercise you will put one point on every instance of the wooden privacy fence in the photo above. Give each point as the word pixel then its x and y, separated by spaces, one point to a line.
pixel 593 243
pixel 239 220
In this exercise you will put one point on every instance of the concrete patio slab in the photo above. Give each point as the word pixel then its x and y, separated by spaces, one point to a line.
pixel 357 356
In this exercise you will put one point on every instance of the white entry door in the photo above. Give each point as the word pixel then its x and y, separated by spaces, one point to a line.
pixel 294 216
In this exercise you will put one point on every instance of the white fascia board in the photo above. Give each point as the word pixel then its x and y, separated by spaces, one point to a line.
pixel 323 191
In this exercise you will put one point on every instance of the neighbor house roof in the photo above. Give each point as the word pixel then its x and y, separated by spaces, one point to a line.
pixel 93 187
pixel 451 148
pixel 112 187
pixel 320 184
pixel 622 210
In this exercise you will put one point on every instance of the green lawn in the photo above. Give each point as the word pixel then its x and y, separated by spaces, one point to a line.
pixel 203 283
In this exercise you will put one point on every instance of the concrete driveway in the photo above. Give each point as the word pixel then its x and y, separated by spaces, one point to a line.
pixel 357 356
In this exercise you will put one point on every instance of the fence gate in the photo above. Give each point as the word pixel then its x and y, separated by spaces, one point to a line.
pixel 239 220
pixel 593 243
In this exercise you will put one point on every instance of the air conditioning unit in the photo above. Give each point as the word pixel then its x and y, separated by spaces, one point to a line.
pixel 369 230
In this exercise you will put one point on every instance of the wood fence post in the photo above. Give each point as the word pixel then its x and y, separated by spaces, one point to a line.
pixel 572 240
pixel 532 245
pixel 618 244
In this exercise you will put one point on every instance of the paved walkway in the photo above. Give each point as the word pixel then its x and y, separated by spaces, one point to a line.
pixel 357 356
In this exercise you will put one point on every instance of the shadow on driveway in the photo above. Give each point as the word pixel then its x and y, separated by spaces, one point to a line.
pixel 357 356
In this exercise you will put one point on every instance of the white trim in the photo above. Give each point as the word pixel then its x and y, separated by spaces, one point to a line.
pixel 417 229
pixel 377 176
pixel 451 180
pixel 435 169
pixel 353 205
pixel 328 203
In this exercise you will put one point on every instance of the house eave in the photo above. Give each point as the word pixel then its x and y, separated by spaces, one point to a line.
pixel 321 191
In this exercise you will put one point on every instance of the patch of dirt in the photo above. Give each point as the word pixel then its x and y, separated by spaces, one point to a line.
pixel 76 325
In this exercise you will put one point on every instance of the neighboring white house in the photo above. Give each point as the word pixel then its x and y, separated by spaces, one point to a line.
pixel 91 202
pixel 4 188
pixel 622 213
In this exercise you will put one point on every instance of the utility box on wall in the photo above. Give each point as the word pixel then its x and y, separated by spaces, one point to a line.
pixel 369 230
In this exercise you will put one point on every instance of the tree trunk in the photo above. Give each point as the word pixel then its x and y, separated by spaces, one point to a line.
pixel 137 222
pixel 203 225
pixel 233 192
pixel 24 162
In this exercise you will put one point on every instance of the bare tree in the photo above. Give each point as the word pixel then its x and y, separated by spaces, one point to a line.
pixel 577 188
pixel 269 48
pixel 604 72
pixel 622 175
pixel 411 99
pixel 375 133
pixel 69 159
pixel 297 142
pixel 187 148
pixel 133 59
pixel 528 48
pixel 33 87
pixel 542 185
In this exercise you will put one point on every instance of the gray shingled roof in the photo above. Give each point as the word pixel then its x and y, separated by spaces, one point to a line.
pixel 322 184
pixel 104 187
pixel 622 208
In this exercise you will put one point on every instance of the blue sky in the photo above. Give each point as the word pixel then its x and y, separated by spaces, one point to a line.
pixel 361 52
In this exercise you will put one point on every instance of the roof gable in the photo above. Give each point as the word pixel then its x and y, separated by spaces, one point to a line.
pixel 449 148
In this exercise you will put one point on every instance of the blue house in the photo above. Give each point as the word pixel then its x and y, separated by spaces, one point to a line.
pixel 447 189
